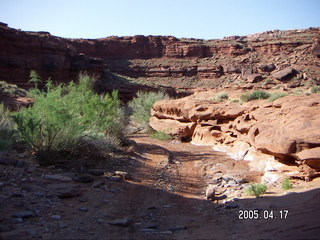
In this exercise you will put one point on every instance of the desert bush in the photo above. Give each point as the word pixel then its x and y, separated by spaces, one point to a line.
pixel 276 95
pixel 258 94
pixel 160 136
pixel 11 90
pixel 286 184
pixel 6 125
pixel 315 89
pixel 220 97
pixel 235 100
pixel 63 117
pixel 141 107
pixel 256 189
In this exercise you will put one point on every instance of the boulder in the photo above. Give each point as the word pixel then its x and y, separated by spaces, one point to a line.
pixel 254 78
pixel 267 67
pixel 311 157
pixel 285 74
pixel 172 127
pixel 315 49
pixel 65 190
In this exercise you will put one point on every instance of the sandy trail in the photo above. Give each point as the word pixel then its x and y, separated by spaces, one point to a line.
pixel 164 200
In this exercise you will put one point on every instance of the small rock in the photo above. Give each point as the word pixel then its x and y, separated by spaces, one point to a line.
pixel 8 161
pixel 151 226
pixel 254 78
pixel 98 184
pixel 230 205
pixel 115 178
pixel 267 67
pixel 30 170
pixel 56 217
pixel 210 192
pixel 96 172
pixel 65 190
pixel 124 175
pixel 21 164
pixel 39 194
pixel 17 195
pixel 83 179
pixel 122 222
pixel 177 228
pixel 22 155
pixel 18 220
pixel 100 220
pixel 1 184
pixel 150 230
pixel 61 225
pixel 24 214
pixel 83 209
pixel 58 177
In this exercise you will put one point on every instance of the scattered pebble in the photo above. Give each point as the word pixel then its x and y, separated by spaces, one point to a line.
pixel 18 220
pixel 58 177
pixel 150 230
pixel 83 209
pixel 83 179
pixel 56 217
pixel 98 184
pixel 230 205
pixel 177 228
pixel 122 222
pixel 23 214
pixel 115 178
pixel 96 172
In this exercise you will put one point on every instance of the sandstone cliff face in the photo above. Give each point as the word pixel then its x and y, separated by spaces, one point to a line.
pixel 21 52
pixel 163 60
pixel 287 129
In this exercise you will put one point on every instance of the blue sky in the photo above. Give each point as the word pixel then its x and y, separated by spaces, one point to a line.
pixel 181 18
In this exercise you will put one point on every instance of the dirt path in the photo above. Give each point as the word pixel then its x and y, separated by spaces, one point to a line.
pixel 163 200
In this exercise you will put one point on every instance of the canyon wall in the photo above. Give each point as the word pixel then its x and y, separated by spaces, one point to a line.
pixel 164 58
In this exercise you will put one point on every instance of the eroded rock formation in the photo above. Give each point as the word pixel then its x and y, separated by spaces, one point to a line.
pixel 287 129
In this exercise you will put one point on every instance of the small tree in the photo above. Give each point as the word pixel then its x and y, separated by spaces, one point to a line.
pixel 34 78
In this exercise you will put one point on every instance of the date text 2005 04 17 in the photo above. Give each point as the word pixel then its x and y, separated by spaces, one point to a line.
pixel 264 214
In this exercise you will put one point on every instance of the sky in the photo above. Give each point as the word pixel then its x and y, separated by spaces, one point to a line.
pixel 205 19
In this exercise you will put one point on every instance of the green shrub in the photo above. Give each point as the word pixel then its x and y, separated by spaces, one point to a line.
pixel 65 116
pixel 256 189
pixel 6 125
pixel 220 97
pixel 141 107
pixel 160 136
pixel 258 94
pixel 276 95
pixel 11 90
pixel 315 89
pixel 286 184
pixel 235 100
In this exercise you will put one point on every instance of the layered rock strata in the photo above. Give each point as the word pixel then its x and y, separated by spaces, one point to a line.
pixel 286 130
